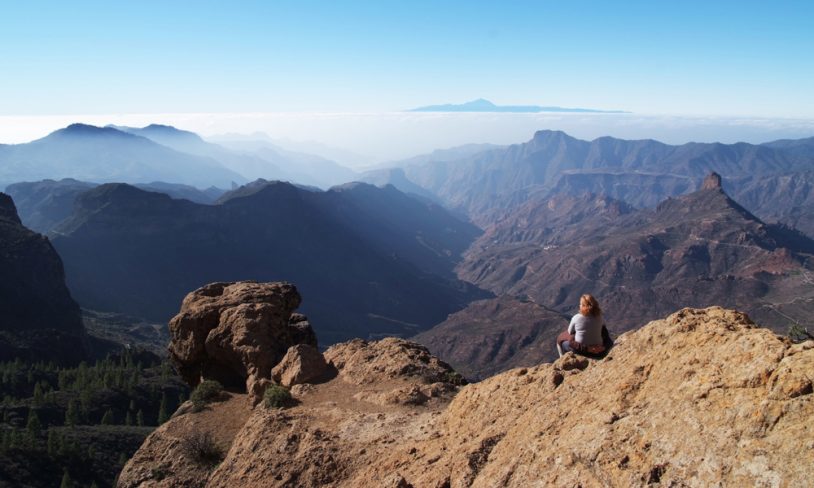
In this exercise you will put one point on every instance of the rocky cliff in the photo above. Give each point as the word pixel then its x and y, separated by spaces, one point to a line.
pixel 701 398
pixel 38 318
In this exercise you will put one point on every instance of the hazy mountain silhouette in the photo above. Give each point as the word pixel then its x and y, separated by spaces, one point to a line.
pixel 96 154
pixel 489 183
pixel 44 204
pixel 481 105
pixel 297 166
pixel 249 166
pixel 362 253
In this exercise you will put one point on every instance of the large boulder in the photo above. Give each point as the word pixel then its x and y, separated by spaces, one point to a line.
pixel 235 333
pixel 301 364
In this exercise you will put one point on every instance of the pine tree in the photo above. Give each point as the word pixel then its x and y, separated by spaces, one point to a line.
pixel 72 414
pixel 34 426
pixel 128 420
pixel 67 482
pixel 53 446
pixel 123 459
pixel 107 418
pixel 140 418
pixel 38 394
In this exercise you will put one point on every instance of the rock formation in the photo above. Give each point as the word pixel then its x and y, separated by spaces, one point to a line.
pixel 701 398
pixel 235 333
pixel 302 363
pixel 38 318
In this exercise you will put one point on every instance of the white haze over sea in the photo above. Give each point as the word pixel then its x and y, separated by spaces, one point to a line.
pixel 380 137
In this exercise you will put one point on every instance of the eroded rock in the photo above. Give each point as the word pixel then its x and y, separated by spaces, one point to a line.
pixel 235 333
pixel 302 363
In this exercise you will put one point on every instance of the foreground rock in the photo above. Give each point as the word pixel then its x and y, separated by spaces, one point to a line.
pixel 701 398
pixel 235 333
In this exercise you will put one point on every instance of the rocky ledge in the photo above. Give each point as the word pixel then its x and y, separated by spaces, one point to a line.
pixel 701 398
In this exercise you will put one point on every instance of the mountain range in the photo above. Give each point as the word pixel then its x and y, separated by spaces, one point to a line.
pixel 374 260
pixel 694 250
pixel 630 221
pixel 481 105
pixel 773 179
pixel 157 153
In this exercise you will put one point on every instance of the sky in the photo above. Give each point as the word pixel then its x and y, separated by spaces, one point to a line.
pixel 688 59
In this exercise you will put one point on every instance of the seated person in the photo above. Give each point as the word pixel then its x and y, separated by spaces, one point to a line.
pixel 586 334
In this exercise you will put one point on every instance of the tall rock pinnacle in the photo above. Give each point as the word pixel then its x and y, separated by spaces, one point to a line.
pixel 712 182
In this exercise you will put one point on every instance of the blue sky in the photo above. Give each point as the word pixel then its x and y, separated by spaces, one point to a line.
pixel 695 58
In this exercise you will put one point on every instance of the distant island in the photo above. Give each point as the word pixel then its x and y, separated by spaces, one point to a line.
pixel 482 105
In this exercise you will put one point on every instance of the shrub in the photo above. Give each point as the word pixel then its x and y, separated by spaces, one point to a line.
pixel 276 396
pixel 455 378
pixel 206 392
pixel 798 333
pixel 201 448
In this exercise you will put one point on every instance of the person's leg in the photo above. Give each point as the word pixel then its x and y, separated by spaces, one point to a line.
pixel 565 346
pixel 563 338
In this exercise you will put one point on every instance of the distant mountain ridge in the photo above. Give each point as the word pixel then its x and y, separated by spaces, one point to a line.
pixel 105 154
pixel 158 153
pixel 42 205
pixel 489 183
pixel 695 250
pixel 374 260
pixel 482 105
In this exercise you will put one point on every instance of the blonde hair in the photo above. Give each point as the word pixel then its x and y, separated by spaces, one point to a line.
pixel 589 306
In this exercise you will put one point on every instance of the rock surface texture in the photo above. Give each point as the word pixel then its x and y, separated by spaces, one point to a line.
pixel 701 398
pixel 301 364
pixel 235 333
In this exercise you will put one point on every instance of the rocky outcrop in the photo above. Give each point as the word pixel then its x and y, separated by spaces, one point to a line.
pixel 701 398
pixel 302 363
pixel 38 318
pixel 712 182
pixel 235 333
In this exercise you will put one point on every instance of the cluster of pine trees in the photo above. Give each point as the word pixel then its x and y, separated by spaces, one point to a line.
pixel 83 421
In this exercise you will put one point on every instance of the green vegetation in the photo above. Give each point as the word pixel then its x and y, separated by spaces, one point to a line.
pixel 201 448
pixel 206 392
pixel 77 425
pixel 455 378
pixel 798 333
pixel 276 396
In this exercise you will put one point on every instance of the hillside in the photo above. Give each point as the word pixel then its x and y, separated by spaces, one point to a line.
pixel 38 317
pixel 696 250
pixel 702 397
pixel 372 260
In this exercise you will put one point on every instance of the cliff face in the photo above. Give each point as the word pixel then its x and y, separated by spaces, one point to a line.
pixel 38 318
pixel 700 398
